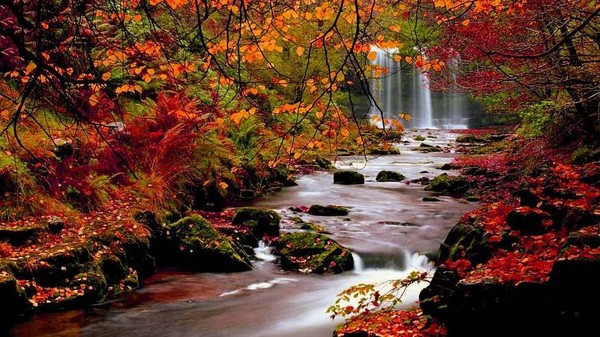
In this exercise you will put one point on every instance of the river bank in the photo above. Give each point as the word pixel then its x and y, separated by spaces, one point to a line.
pixel 388 222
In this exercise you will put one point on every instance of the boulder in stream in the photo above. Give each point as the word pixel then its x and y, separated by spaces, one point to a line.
pixel 199 247
pixel 312 253
pixel 348 178
pixel 260 221
pixel 385 176
pixel 14 299
pixel 447 184
pixel 329 210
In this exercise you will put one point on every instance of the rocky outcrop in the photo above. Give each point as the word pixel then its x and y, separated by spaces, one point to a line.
pixel 312 253
pixel 348 178
pixel 197 246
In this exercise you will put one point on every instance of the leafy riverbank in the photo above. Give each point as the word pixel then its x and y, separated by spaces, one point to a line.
pixel 528 257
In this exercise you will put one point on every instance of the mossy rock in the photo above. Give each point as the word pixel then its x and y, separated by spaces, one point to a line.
pixel 380 150
pixel 385 176
pixel 469 139
pixel 465 240
pixel 419 138
pixel 324 163
pixel 60 263
pixel 424 147
pixel 313 253
pixel 13 298
pixel 329 210
pixel 260 221
pixel 446 184
pixel 585 155
pixel 348 178
pixel 309 226
pixel 20 235
pixel 197 246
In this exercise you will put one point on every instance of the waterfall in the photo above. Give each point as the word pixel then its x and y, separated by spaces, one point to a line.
pixel 263 252
pixel 407 90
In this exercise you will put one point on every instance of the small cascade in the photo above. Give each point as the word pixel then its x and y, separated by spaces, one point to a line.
pixel 358 263
pixel 263 252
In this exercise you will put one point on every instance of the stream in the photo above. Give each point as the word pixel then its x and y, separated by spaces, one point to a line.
pixel 388 228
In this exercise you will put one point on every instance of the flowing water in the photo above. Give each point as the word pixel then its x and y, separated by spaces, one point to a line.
pixel 404 89
pixel 388 228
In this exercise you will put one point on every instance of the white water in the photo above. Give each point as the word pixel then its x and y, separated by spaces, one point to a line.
pixel 263 252
pixel 405 89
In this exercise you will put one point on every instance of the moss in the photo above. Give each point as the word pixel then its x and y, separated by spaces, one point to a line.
pixel 323 163
pixel 385 176
pixel 585 155
pixel 199 247
pixel 59 263
pixel 447 184
pixel 312 227
pixel 329 210
pixel 419 138
pixel 348 178
pixel 311 252
pixel 260 221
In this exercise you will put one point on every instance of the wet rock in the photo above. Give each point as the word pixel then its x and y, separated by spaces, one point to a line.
pixel 348 178
pixel 323 163
pixel 527 198
pixel 422 181
pixel 329 210
pixel 419 138
pixel 465 241
pixel 381 150
pixel 446 184
pixel 197 246
pixel 386 176
pixel 312 227
pixel 61 262
pixel 424 147
pixel 260 221
pixel 431 199
pixel 585 155
pixel 312 253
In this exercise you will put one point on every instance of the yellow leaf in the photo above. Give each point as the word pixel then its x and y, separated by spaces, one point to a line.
pixel 359 140
pixel 466 22
pixel 408 59
pixel 345 132
pixel 319 114
pixel 299 51
pixel 395 28
pixel 372 56
pixel 30 67
pixel 397 57
pixel 223 185
pixel 106 76
pixel 147 78
pixel 297 155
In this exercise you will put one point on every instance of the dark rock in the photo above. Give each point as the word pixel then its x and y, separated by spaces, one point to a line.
pixel 446 184
pixel 199 247
pixel 585 155
pixel 472 198
pixel 247 194
pixel 447 166
pixel 469 139
pixel 430 199
pixel 465 241
pixel 348 178
pixel 385 176
pixel 314 253
pixel 14 299
pixel 63 148
pixel 530 221
pixel 527 198
pixel 55 225
pixel 323 163
pixel 19 235
pixel 329 210
pixel 424 172
pixel 260 221
pixel 424 147
pixel 422 181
